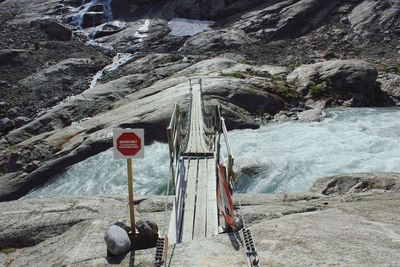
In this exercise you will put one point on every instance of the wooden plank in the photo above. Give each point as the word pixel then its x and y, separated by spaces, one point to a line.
pixel 201 201
pixel 188 217
pixel 212 210
pixel 175 224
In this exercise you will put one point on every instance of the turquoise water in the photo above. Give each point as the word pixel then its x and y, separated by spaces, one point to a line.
pixel 278 157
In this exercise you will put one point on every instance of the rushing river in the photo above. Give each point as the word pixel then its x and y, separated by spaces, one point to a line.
pixel 278 157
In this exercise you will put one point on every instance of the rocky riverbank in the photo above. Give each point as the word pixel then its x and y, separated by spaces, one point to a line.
pixel 350 220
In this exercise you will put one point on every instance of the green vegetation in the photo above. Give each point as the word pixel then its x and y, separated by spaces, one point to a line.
pixel 291 67
pixel 174 57
pixel 234 74
pixel 318 89
pixel 8 250
pixel 283 88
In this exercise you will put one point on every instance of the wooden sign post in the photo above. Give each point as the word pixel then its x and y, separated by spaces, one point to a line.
pixel 129 144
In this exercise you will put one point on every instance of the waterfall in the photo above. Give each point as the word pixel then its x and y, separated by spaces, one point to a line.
pixel 77 19
pixel 119 60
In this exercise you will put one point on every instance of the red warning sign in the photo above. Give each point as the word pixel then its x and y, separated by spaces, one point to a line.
pixel 128 143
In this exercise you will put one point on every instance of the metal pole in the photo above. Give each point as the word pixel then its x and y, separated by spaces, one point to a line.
pixel 130 190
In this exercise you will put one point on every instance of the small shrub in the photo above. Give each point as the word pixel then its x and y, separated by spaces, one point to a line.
pixel 318 89
pixel 283 88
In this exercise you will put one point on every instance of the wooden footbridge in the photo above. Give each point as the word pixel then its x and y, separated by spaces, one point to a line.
pixel 201 177
pixel 196 160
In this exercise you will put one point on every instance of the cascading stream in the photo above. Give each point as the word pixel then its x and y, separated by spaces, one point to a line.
pixel 278 157
pixel 85 7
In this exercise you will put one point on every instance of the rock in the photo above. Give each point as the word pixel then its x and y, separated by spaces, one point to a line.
pixel 216 40
pixel 311 115
pixel 147 228
pixel 7 55
pixel 390 85
pixel 13 112
pixel 117 240
pixel 70 231
pixel 96 8
pixel 31 166
pixel 3 107
pixel 92 19
pixel 124 225
pixel 6 125
pixel 340 76
pixel 21 120
pixel 107 29
pixel 319 104
pixel 281 117
pixel 57 30
pixel 356 183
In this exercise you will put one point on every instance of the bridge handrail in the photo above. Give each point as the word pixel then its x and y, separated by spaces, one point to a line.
pixel 174 140
pixel 221 129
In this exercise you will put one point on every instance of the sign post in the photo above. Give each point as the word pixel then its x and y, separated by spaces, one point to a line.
pixel 129 144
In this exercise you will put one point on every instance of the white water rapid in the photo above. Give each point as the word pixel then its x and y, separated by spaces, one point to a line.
pixel 278 157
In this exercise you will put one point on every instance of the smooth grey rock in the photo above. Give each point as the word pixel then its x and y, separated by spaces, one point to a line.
pixel 281 117
pixel 117 240
pixel 357 182
pixel 311 115
pixel 341 76
pixel 147 228
pixel 70 230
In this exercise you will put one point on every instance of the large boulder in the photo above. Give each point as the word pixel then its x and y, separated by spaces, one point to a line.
pixel 339 77
pixel 147 228
pixel 117 240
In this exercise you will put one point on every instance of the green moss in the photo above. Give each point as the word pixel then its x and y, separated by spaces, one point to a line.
pixel 8 250
pixel 318 89
pixel 235 74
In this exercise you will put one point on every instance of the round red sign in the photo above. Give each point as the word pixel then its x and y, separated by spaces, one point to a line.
pixel 129 144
